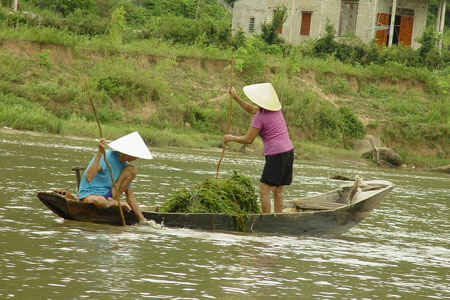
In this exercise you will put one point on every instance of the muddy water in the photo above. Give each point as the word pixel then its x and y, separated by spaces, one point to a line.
pixel 401 251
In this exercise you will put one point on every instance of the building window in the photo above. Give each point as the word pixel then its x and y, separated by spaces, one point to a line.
pixel 403 28
pixel 251 25
pixel 306 23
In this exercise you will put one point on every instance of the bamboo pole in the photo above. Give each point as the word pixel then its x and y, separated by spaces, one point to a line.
pixel 391 28
pixel 229 118
pixel 116 197
pixel 441 19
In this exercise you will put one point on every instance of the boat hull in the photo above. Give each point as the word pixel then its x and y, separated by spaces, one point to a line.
pixel 333 221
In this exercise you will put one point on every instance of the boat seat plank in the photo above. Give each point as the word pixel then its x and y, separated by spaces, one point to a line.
pixel 317 205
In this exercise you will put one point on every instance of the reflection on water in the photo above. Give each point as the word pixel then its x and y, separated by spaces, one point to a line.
pixel 400 251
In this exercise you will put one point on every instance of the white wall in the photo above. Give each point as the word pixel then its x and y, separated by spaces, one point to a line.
pixel 323 11
pixel 244 9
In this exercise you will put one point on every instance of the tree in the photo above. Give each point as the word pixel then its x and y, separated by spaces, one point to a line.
pixel 270 30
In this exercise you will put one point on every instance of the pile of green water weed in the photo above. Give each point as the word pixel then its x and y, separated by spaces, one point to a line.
pixel 234 196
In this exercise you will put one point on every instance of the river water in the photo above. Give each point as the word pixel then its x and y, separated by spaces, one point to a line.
pixel 401 251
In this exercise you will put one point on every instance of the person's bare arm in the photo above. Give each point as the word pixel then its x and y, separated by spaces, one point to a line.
pixel 244 139
pixel 131 199
pixel 95 167
pixel 251 109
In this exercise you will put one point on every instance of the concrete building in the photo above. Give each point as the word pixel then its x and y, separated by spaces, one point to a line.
pixel 387 21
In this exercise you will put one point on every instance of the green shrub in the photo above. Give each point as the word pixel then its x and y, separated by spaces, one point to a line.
pixel 65 7
pixel 427 41
pixel 201 118
pixel 327 122
pixel 269 31
pixel 372 54
pixel 238 39
pixel 249 60
pixel 326 45
pixel 350 50
pixel 188 31
pixel 301 111
pixel 15 19
pixel 403 55
pixel 351 127
pixel 110 85
pixel 137 16
pixel 433 59
pixel 85 22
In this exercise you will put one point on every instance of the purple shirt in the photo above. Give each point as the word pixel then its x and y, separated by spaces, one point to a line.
pixel 273 131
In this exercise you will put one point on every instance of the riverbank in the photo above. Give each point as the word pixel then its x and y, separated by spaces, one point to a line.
pixel 181 101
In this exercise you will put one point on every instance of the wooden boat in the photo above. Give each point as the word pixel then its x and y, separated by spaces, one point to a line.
pixel 333 212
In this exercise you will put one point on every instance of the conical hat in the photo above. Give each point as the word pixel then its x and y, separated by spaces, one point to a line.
pixel 263 95
pixel 133 145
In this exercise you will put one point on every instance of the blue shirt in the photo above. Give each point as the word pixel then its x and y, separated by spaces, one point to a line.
pixel 101 183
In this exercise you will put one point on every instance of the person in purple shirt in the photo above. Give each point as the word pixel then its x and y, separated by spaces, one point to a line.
pixel 268 122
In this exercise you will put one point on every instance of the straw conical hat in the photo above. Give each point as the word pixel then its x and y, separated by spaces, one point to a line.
pixel 133 145
pixel 263 95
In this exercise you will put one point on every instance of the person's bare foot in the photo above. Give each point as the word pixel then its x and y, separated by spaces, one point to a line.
pixel 124 205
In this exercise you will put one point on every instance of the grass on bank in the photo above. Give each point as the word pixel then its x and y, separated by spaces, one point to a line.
pixel 19 113
pixel 169 99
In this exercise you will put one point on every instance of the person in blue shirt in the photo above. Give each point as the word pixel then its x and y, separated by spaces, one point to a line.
pixel 96 185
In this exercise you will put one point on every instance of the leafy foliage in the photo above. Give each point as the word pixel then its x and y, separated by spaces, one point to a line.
pixel 235 196
pixel 65 7
pixel 351 126
pixel 270 30
pixel 249 60
pixel 352 51
pixel 326 45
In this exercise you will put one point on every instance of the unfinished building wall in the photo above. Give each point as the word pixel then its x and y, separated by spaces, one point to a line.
pixel 365 24
pixel 248 16
pixel 307 19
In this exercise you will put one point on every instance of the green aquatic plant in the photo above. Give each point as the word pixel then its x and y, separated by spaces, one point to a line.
pixel 234 196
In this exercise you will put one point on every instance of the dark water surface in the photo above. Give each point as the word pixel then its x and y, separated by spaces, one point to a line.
pixel 402 251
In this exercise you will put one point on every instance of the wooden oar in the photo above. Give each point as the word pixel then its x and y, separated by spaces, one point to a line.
pixel 229 118
pixel 116 197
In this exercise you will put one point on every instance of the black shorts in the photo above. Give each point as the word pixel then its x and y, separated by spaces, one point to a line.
pixel 278 169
